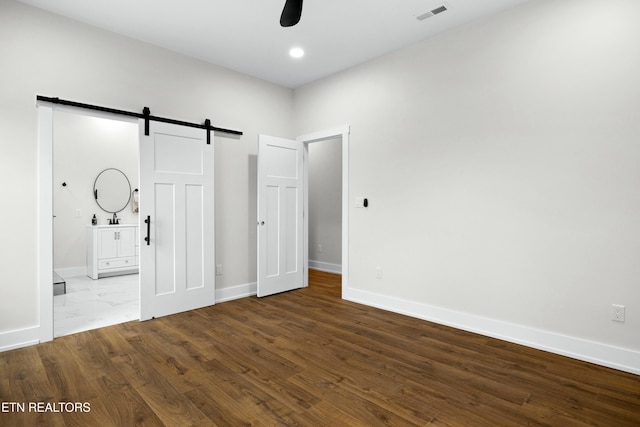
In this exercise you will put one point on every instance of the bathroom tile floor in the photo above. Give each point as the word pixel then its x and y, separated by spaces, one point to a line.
pixel 90 304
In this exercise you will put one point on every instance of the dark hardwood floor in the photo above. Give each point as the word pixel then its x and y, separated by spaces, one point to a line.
pixel 304 358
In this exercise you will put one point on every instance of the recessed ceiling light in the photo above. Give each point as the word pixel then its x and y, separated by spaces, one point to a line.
pixel 296 52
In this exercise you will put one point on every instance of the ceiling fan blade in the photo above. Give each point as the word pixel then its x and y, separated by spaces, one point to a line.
pixel 291 13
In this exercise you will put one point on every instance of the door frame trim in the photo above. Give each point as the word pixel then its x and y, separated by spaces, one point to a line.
pixel 45 205
pixel 342 132
pixel 45 220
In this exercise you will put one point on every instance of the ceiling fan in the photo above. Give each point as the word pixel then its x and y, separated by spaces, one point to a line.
pixel 291 13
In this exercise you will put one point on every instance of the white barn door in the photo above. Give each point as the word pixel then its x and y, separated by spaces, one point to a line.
pixel 280 215
pixel 177 196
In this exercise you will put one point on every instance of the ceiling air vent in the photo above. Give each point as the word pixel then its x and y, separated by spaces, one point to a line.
pixel 431 13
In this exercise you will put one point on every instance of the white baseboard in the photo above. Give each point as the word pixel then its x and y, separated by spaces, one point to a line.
pixel 236 292
pixel 71 271
pixel 576 348
pixel 20 338
pixel 325 266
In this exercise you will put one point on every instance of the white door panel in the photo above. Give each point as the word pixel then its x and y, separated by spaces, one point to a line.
pixel 176 193
pixel 280 215
pixel 194 232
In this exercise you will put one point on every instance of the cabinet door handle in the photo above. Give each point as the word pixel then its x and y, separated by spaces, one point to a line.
pixel 148 222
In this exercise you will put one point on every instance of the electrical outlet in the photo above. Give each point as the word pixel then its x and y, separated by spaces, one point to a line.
pixel 219 270
pixel 617 313
pixel 379 272
pixel 78 213
pixel 319 248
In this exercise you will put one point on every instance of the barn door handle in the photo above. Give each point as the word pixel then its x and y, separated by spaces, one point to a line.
pixel 148 222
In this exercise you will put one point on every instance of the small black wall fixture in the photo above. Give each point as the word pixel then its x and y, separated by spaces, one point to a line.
pixel 146 115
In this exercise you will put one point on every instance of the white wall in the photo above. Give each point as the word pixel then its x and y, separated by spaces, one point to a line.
pixel 325 204
pixel 43 54
pixel 502 164
pixel 101 144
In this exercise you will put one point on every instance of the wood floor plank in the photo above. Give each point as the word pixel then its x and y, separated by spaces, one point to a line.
pixel 268 374
pixel 257 401
pixel 124 405
pixel 324 414
pixel 24 376
pixel 308 358
pixel 226 411
pixel 71 386
pixel 178 369
pixel 171 406
pixel 187 331
pixel 63 372
pixel 24 380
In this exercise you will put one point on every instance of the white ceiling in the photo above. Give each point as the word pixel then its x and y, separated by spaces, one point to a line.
pixel 245 35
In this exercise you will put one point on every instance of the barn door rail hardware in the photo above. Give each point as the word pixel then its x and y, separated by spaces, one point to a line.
pixel 146 115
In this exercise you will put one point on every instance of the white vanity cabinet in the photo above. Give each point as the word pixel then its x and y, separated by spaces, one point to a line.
pixel 112 249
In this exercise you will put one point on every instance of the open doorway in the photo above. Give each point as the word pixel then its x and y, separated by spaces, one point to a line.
pixel 339 137
pixel 195 161
pixel 283 246
pixel 325 205
pixel 90 153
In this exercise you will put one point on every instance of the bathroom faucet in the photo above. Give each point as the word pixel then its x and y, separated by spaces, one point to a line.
pixel 115 220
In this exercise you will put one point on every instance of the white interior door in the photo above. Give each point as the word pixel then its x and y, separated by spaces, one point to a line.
pixel 280 215
pixel 176 194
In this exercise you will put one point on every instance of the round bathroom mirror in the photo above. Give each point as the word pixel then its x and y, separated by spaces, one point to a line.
pixel 112 190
